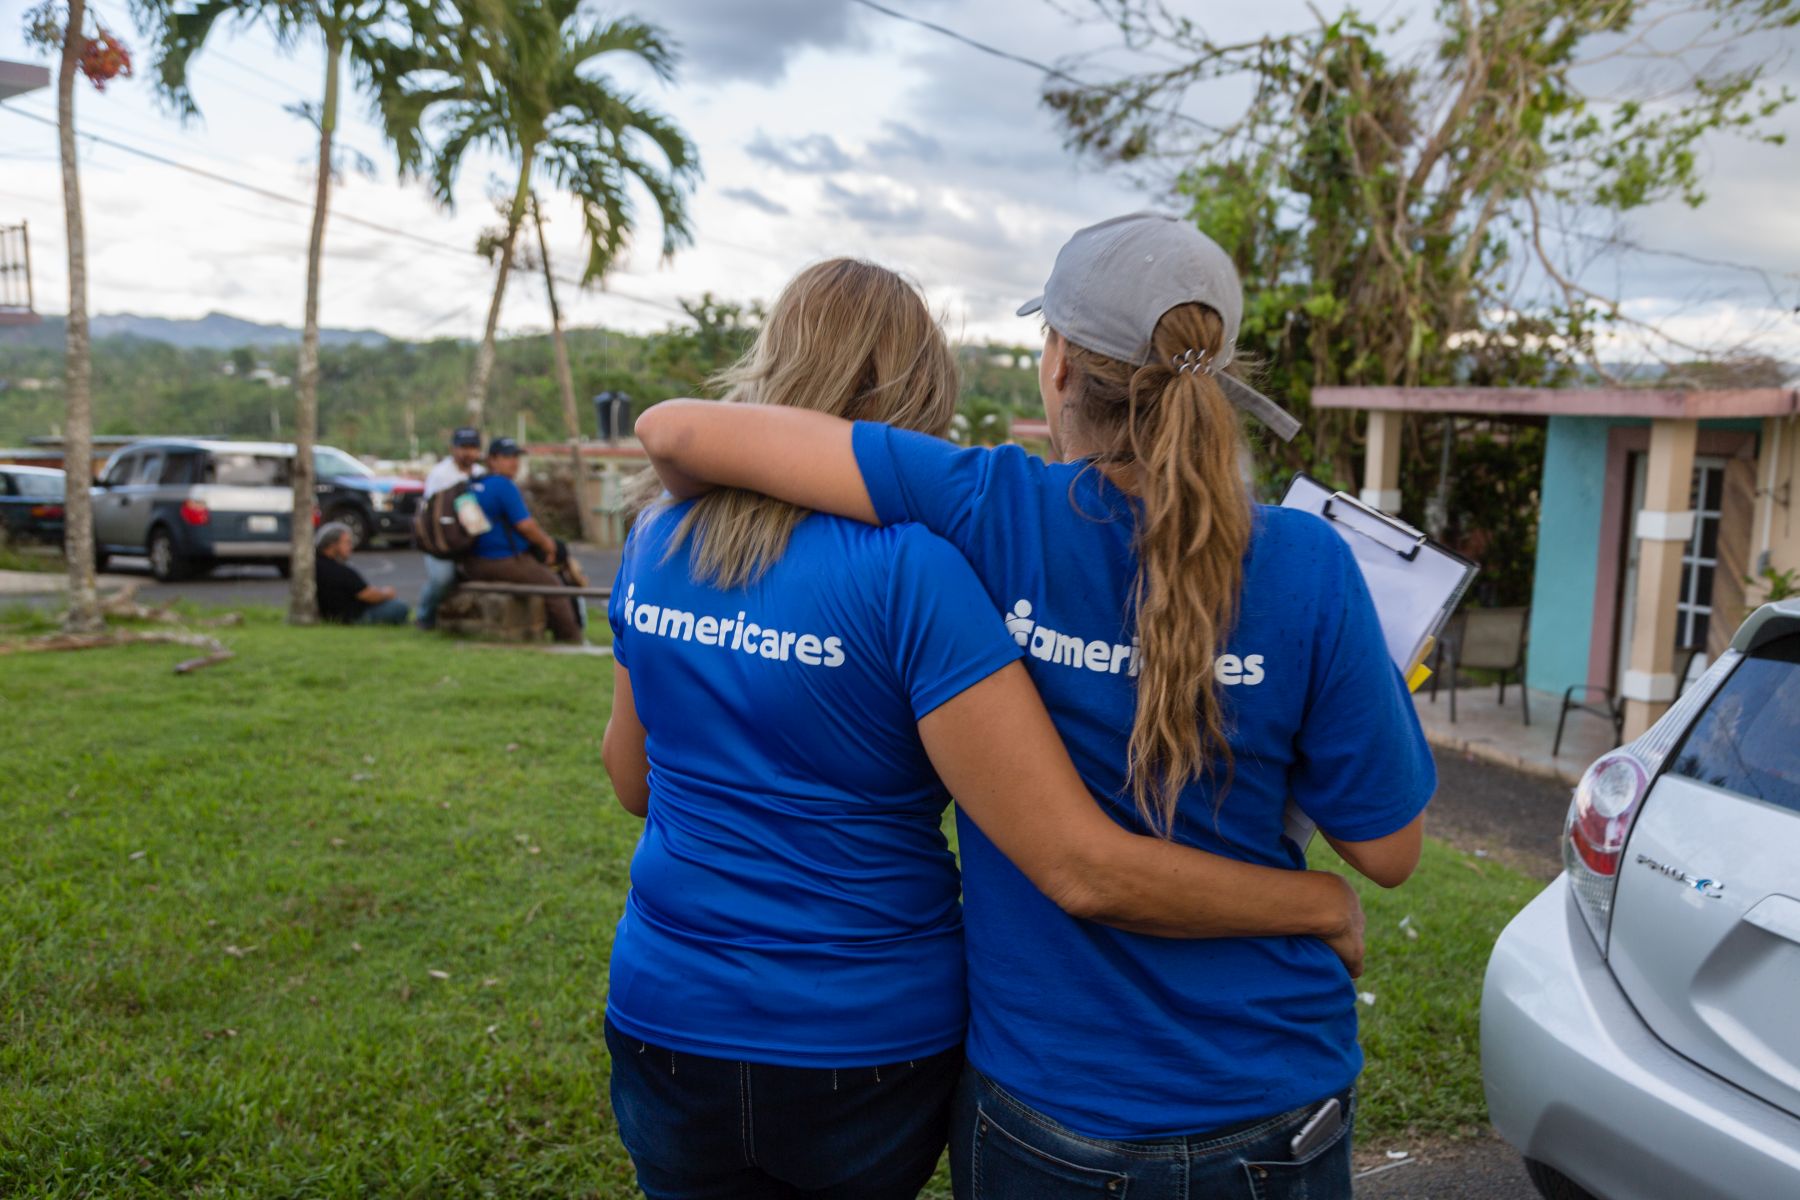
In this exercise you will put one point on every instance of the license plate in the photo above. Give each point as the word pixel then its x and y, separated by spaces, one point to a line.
pixel 262 524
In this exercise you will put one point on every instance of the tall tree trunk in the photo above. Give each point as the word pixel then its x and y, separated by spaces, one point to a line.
pixel 78 421
pixel 303 597
pixel 565 380
pixel 484 353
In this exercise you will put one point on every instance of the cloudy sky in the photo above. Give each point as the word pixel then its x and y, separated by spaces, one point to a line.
pixel 824 127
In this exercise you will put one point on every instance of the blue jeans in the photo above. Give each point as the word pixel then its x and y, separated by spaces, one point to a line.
pixel 388 612
pixel 1001 1149
pixel 440 578
pixel 712 1129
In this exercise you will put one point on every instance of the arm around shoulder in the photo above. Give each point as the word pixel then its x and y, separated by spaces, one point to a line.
pixel 802 457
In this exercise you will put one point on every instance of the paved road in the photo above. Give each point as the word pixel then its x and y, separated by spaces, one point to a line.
pixel 402 570
pixel 1484 1170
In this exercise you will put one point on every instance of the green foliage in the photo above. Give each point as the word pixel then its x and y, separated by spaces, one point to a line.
pixel 1390 214
pixel 689 357
pixel 1776 585
pixel 367 394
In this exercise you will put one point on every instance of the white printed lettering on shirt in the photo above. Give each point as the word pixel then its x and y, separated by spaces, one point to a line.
pixel 1109 657
pixel 731 633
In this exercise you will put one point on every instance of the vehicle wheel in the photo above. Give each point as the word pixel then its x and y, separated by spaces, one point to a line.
pixel 284 567
pixel 359 525
pixel 101 558
pixel 1553 1184
pixel 166 562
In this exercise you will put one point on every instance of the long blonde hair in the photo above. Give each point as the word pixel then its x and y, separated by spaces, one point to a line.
pixel 846 337
pixel 1179 440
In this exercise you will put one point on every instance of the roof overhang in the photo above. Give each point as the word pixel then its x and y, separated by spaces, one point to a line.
pixel 1663 403
pixel 17 78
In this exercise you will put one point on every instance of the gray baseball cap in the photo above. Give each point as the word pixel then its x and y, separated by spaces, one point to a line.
pixel 1113 282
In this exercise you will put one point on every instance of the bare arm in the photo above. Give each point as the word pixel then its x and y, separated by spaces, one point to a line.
pixel 996 749
pixel 791 454
pixel 534 533
pixel 375 595
pixel 622 749
pixel 1390 860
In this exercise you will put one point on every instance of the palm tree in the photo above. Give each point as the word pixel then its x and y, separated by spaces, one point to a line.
pixel 70 43
pixel 518 79
pixel 353 30
pixel 565 378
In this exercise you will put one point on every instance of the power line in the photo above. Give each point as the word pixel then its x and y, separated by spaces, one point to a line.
pixel 1058 73
pixel 336 213
pixel 973 44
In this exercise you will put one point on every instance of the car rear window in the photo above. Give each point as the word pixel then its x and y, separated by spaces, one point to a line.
pixel 1744 741
pixel 39 487
pixel 248 470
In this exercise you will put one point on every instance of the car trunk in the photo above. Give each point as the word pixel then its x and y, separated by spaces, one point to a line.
pixel 247 514
pixel 1706 921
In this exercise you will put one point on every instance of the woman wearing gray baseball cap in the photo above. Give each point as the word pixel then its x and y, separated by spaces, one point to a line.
pixel 1206 660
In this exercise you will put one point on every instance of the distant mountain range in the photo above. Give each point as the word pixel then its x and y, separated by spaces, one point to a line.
pixel 214 331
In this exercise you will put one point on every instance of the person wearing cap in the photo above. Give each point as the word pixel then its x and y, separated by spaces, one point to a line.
pixel 504 554
pixel 440 573
pixel 1206 661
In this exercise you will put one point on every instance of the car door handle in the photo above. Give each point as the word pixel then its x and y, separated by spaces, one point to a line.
pixel 1780 915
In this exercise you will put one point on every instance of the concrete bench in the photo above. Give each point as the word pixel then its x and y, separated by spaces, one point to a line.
pixel 506 612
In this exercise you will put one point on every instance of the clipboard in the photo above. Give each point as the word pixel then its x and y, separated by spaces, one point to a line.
pixel 1416 585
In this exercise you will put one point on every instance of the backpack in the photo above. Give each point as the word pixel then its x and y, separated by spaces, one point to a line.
pixel 438 530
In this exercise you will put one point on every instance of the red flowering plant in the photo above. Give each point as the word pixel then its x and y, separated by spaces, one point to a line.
pixel 103 56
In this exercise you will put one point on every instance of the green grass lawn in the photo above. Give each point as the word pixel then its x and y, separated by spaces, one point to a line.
pixel 332 919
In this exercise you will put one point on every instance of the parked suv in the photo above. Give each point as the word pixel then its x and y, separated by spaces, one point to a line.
pixel 188 504
pixel 373 506
pixel 1640 1021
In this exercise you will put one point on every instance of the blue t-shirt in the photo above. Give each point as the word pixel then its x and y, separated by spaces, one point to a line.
pixel 1119 1035
pixel 793 899
pixel 505 508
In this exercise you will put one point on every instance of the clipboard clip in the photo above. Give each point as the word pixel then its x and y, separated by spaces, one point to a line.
pixel 1377 526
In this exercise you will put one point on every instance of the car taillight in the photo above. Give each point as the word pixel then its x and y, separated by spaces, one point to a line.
pixel 318 518
pixel 1606 802
pixel 46 512
pixel 193 512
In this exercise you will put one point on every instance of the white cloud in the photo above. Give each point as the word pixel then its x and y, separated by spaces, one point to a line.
pixel 823 128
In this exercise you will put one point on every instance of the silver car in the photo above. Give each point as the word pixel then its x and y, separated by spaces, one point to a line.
pixel 189 504
pixel 1640 1021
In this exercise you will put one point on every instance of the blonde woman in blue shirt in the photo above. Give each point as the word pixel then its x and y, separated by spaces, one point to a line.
pixel 1206 661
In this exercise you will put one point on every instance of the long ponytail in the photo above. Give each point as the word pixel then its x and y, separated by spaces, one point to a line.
pixel 1169 424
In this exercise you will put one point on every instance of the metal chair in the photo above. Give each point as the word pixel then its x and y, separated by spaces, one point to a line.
pixel 1608 706
pixel 1491 639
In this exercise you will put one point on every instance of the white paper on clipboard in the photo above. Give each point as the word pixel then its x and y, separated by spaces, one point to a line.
pixel 1415 583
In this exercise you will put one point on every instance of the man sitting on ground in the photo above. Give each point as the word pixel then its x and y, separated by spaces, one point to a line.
pixel 502 553
pixel 440 573
pixel 345 597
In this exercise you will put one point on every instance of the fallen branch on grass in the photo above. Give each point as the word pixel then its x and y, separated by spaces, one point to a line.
pixel 216 651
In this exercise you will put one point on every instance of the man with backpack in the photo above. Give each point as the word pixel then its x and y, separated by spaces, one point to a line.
pixel 515 549
pixel 440 572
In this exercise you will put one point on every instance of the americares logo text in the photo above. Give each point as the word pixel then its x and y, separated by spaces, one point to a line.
pixel 1108 657
pixel 732 633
